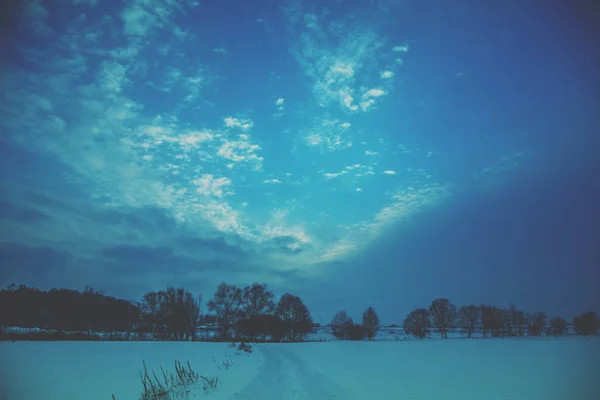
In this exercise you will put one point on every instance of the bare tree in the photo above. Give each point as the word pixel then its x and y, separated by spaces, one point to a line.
pixel 172 313
pixel 339 324
pixel 468 318
pixel 226 304
pixel 418 323
pixel 536 322
pixel 509 320
pixel 370 321
pixel 257 300
pixel 492 321
pixel 295 317
pixel 443 313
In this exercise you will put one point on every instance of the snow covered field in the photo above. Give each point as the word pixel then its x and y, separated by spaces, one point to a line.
pixel 518 368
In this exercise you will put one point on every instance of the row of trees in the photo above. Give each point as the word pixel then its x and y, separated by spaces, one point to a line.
pixel 492 321
pixel 173 313
pixel 344 328
pixel 253 313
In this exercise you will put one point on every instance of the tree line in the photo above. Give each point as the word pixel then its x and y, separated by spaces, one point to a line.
pixel 169 314
pixel 251 313
pixel 492 321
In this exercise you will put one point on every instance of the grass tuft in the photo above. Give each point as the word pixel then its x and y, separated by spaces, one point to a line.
pixel 173 386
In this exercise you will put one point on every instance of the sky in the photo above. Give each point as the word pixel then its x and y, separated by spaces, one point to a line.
pixel 356 153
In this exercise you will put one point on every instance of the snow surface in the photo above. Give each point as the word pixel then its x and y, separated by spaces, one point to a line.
pixel 516 368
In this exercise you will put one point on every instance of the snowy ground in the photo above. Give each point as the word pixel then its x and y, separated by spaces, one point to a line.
pixel 518 368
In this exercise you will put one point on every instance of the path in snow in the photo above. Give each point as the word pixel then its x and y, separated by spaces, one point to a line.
pixel 285 377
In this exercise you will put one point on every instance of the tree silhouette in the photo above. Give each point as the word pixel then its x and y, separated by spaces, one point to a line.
pixel 418 323
pixel 443 314
pixel 339 324
pixel 536 322
pixel 586 323
pixel 468 317
pixel 226 304
pixel 91 298
pixel 354 331
pixel 557 326
pixel 173 313
pixel 257 300
pixel 370 323
pixel 295 317
pixel 492 321
pixel 62 310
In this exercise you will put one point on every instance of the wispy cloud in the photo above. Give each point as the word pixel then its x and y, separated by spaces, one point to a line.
pixel 231 122
pixel 208 185
pixel 327 134
pixel 496 173
pixel 338 72
pixel 279 103
pixel 134 121
pixel 404 202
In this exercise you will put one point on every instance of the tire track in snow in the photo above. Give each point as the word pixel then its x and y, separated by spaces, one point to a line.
pixel 285 377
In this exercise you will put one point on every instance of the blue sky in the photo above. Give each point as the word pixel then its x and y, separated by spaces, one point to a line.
pixel 353 152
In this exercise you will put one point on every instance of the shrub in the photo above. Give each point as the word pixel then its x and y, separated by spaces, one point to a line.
pixel 557 327
pixel 355 332
pixel 245 347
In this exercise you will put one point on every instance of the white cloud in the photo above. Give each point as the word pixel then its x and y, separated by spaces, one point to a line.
pixel 389 172
pixel 279 103
pixel 371 153
pixel 365 105
pixel 272 181
pixel 335 71
pixel 386 75
pixel 180 33
pixel 193 139
pixel 137 20
pixel 327 134
pixel 359 190
pixel 345 125
pixel 231 122
pixel 113 77
pixel 219 50
pixel 240 151
pixel 373 93
pixel 208 185
pixel 400 49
